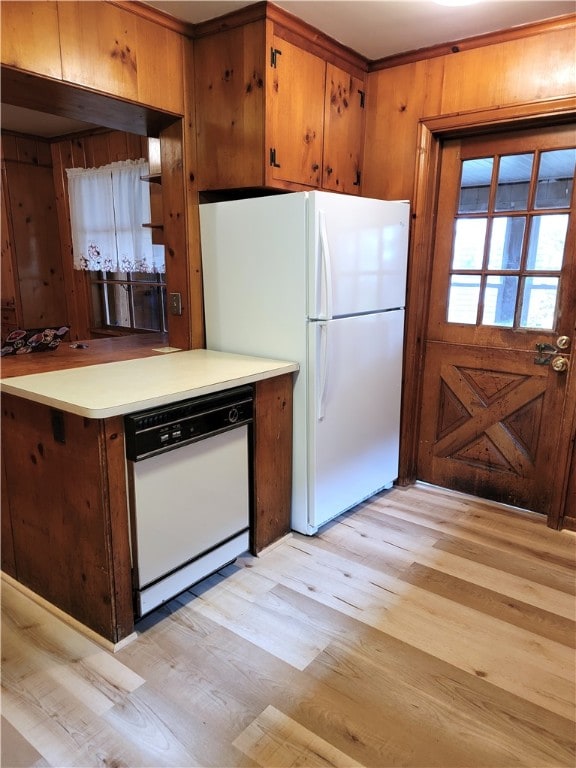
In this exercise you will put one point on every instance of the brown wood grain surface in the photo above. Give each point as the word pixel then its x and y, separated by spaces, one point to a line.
pixel 272 465
pixel 94 352
pixel 57 469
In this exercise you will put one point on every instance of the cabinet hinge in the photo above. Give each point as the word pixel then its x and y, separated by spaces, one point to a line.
pixel 362 98
pixel 273 162
pixel 357 182
pixel 274 53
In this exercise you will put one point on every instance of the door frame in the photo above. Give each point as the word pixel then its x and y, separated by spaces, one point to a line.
pixel 431 132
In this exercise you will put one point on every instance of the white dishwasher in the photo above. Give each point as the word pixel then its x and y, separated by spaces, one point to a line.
pixel 189 491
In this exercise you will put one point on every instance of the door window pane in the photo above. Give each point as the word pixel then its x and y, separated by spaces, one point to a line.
pixel 500 300
pixel 506 242
pixel 463 296
pixel 555 178
pixel 469 241
pixel 514 176
pixel 547 240
pixel 475 185
pixel 507 252
pixel 539 302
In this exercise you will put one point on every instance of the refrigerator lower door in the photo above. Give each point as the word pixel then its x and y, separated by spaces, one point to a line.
pixel 354 387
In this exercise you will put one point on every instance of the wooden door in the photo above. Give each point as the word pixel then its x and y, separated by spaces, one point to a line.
pixel 343 131
pixel 501 320
pixel 295 93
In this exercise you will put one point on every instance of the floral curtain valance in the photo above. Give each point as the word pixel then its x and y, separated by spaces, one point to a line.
pixel 108 206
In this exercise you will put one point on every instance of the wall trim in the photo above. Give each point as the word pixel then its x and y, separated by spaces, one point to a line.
pixel 478 41
pixel 326 45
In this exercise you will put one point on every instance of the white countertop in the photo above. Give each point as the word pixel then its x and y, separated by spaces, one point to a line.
pixel 112 389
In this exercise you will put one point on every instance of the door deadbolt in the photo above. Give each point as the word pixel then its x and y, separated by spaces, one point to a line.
pixel 563 342
pixel 560 364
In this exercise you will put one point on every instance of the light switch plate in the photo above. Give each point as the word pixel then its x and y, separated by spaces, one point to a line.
pixel 175 303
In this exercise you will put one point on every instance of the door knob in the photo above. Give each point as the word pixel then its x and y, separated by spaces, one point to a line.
pixel 560 364
pixel 563 342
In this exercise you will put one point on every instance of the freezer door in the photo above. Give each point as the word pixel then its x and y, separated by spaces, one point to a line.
pixel 355 377
pixel 359 248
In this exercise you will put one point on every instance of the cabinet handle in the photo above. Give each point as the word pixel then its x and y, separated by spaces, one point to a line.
pixel 357 182
pixel 329 170
pixel 315 167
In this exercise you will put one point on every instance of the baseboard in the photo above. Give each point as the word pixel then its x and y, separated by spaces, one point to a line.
pixel 82 629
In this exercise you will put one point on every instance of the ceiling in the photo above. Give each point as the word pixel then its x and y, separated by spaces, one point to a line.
pixel 374 28
pixel 380 28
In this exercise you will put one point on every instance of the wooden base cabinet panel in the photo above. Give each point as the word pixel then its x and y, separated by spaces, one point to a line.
pixel 272 461
pixel 8 562
pixel 66 494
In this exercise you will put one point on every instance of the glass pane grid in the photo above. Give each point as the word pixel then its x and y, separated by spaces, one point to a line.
pixel 509 239
pixel 129 300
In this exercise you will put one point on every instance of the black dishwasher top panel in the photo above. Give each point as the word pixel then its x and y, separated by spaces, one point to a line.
pixel 156 430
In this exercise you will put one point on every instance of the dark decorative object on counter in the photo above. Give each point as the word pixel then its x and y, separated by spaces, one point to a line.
pixel 21 342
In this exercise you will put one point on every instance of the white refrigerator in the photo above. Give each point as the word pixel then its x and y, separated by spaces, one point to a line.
pixel 318 278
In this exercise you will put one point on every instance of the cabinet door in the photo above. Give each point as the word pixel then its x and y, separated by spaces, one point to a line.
pixel 295 93
pixel 38 50
pixel 98 44
pixel 343 131
pixel 229 72
pixel 108 49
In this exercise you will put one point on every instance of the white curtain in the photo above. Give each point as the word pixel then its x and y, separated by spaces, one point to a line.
pixel 108 206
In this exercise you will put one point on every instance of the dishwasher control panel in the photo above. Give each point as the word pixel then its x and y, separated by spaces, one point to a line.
pixel 164 428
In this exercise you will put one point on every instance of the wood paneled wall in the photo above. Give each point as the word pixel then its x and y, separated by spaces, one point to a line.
pixel 88 151
pixel 34 290
pixel 510 79
pixel 539 68
pixel 46 290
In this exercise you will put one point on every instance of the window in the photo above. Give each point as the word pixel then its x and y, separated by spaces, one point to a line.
pixel 129 300
pixel 509 239
pixel 112 242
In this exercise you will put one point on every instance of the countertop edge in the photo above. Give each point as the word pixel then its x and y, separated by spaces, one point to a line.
pixel 9 387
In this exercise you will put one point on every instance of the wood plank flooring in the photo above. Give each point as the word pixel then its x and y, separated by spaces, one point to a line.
pixel 424 628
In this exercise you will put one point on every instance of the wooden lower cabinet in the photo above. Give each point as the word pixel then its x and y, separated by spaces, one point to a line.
pixel 67 502
pixel 65 529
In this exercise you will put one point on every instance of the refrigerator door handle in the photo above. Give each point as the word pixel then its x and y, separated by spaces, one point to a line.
pixel 322 371
pixel 326 270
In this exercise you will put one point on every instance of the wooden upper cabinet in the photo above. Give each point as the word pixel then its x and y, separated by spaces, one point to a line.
pixel 98 43
pixel 38 50
pixel 114 51
pixel 229 87
pixel 272 113
pixel 295 91
pixel 343 131
pixel 160 64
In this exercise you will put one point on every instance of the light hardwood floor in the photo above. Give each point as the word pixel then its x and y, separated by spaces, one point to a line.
pixel 424 628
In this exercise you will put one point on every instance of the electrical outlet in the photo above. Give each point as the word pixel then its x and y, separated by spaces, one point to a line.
pixel 175 303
